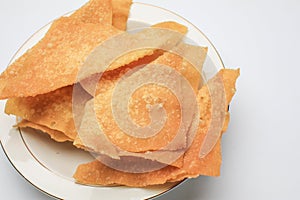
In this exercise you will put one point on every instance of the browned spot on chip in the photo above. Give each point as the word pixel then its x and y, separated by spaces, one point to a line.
pixel 95 11
pixel 120 13
pixel 54 134
pixel 53 62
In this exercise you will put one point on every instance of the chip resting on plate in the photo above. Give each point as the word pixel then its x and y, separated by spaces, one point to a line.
pixel 98 173
pixel 137 101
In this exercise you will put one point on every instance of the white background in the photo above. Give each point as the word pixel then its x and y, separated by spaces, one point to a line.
pixel 261 148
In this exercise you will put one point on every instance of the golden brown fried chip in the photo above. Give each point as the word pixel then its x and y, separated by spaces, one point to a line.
pixel 95 11
pixel 210 164
pixel 126 48
pixel 146 96
pixel 140 53
pixel 140 113
pixel 172 158
pixel 98 144
pixel 121 10
pixel 53 62
pixel 172 26
pixel 136 164
pixel 41 84
pixel 54 134
pixel 137 54
pixel 192 72
pixel 52 110
pixel 89 83
pixel 95 173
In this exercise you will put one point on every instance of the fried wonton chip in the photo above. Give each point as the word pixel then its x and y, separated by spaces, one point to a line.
pixel 90 75
pixel 178 29
pixel 67 47
pixel 96 173
pixel 53 110
pixel 144 97
pixel 111 12
pixel 126 48
pixel 121 10
pixel 95 11
pixel 147 96
pixel 172 26
pixel 56 106
pixel 172 158
pixel 192 166
pixel 55 135
pixel 54 61
pixel 90 137
pixel 89 83
pixel 136 163
pixel 140 115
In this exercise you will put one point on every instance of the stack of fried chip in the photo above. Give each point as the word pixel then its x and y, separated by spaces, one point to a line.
pixel 40 87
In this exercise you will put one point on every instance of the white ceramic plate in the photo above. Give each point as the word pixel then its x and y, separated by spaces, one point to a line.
pixel 48 165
